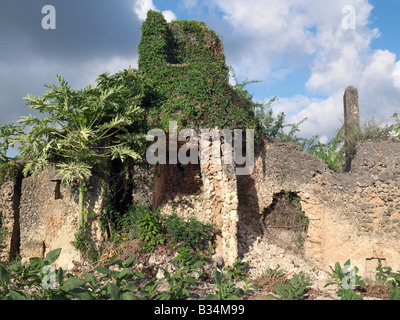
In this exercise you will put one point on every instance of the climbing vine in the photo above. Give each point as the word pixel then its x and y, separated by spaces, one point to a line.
pixel 185 61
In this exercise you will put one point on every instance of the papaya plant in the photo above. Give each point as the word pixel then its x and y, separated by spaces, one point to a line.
pixel 80 130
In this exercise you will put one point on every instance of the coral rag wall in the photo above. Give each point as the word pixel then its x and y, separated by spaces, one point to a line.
pixel 354 215
pixel 49 217
pixel 9 208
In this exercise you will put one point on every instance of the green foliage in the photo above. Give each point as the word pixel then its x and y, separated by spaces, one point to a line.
pixel 78 124
pixel 396 126
pixel 294 290
pixel 8 133
pixel 81 129
pixel 191 237
pixel 149 291
pixel 10 168
pixel 347 280
pixel 3 232
pixel 127 222
pixel 32 274
pixel 238 271
pixel 192 233
pixel 188 256
pixel 395 284
pixel 276 271
pixel 385 275
pixel 83 242
pixel 182 279
pixel 275 128
pixel 185 61
pixel 333 152
pixel 150 230
pixel 382 273
pixel 11 171
pixel 225 288
pixel 115 285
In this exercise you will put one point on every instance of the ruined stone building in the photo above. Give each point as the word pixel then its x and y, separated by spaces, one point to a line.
pixel 351 215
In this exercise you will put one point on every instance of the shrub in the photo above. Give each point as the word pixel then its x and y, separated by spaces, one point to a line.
pixel 149 229
pixel 274 127
pixel 333 152
pixel 84 243
pixel 192 233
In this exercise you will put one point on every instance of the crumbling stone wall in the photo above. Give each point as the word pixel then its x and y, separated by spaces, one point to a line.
pixel 9 208
pixel 49 217
pixel 354 215
pixel 206 190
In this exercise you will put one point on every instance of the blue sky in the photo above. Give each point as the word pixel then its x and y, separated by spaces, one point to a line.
pixel 299 49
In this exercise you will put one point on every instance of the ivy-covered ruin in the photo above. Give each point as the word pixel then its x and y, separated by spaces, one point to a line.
pixel 186 63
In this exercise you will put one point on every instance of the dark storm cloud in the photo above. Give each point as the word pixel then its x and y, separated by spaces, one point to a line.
pixel 86 31
pixel 86 28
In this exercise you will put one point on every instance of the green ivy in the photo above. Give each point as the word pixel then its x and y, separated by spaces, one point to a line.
pixel 185 61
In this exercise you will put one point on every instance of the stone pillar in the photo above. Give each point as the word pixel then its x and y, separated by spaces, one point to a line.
pixel 351 123
pixel 220 204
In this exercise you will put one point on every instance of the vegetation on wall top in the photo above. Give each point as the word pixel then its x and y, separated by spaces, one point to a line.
pixel 186 63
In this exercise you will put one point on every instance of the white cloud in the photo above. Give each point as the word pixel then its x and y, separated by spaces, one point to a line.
pixel 323 115
pixel 282 35
pixel 190 4
pixel 94 68
pixel 396 75
pixel 142 6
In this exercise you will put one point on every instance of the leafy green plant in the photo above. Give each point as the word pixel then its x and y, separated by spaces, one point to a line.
pixel 276 271
pixel 192 233
pixel 5 292
pixel 396 126
pixel 386 275
pixel 274 127
pixel 225 288
pixel 8 133
pixel 186 63
pixel 331 152
pixel 83 242
pixel 149 291
pixel 294 290
pixel 238 271
pixel 345 142
pixel 3 232
pixel 150 230
pixel 31 274
pixel 382 273
pixel 347 280
pixel 81 129
pixel 395 283
pixel 181 279
pixel 188 256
